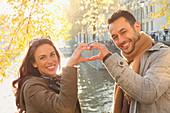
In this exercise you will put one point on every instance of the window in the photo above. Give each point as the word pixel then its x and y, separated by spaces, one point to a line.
pixel 151 25
pixel 147 11
pixel 143 27
pixel 147 26
pixel 150 8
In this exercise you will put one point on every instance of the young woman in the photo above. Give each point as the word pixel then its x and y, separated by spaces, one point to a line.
pixel 39 89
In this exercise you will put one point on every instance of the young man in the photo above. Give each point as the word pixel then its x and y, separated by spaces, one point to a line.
pixel 143 76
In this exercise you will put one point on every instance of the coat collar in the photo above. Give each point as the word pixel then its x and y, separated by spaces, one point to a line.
pixel 157 47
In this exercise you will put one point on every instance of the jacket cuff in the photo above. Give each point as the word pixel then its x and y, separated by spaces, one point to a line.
pixel 109 54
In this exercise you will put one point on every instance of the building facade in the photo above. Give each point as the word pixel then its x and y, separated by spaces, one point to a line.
pixel 141 9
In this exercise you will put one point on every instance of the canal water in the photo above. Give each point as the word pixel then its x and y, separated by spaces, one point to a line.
pixel 95 91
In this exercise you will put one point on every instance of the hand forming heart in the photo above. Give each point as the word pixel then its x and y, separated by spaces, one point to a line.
pixel 76 56
pixel 103 50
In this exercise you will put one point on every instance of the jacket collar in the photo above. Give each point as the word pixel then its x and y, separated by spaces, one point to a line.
pixel 157 47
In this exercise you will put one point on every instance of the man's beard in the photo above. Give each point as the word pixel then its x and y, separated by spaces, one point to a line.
pixel 135 39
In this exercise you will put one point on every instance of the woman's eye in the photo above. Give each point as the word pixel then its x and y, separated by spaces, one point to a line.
pixel 42 58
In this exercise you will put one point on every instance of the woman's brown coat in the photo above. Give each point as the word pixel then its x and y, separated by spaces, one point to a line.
pixel 37 97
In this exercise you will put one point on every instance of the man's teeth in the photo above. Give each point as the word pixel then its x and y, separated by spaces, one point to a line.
pixel 125 44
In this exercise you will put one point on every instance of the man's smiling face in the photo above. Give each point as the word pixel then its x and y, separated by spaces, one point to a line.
pixel 124 35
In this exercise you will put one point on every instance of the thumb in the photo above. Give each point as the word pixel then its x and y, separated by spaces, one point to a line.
pixel 95 57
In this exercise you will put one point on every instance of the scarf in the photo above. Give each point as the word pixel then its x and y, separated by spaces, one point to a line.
pixel 122 99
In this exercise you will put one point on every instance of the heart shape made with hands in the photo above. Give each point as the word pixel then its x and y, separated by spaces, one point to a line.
pixel 91 53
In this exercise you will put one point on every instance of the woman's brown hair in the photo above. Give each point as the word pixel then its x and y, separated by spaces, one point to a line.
pixel 27 70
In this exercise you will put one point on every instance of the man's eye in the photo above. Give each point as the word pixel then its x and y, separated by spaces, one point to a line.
pixel 123 32
pixel 53 54
pixel 114 37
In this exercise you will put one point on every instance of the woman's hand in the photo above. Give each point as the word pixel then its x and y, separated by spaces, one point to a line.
pixel 76 58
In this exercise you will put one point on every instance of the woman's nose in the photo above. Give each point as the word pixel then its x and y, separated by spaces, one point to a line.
pixel 49 60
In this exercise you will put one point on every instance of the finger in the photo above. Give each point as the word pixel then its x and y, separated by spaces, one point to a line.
pixel 85 59
pixel 95 44
pixel 89 48
pixel 82 45
pixel 95 57
pixel 79 49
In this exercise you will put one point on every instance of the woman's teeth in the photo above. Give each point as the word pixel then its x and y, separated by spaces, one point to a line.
pixel 51 67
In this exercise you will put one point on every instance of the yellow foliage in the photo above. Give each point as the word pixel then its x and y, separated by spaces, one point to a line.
pixel 163 10
pixel 118 6
pixel 31 19
pixel 2 80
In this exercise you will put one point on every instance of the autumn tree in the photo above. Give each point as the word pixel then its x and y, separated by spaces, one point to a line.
pixel 24 21
pixel 98 11
pixel 75 16
pixel 91 14
pixel 163 10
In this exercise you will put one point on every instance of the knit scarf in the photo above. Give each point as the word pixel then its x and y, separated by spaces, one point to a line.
pixel 122 99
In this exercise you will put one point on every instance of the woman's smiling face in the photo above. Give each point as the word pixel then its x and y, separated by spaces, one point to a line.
pixel 46 60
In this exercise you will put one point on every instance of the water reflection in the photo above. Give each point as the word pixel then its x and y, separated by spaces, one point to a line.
pixel 95 89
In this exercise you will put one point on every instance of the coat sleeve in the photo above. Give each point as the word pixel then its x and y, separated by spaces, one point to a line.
pixel 39 97
pixel 146 89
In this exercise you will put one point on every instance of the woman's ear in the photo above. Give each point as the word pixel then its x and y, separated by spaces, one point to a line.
pixel 34 65
pixel 137 27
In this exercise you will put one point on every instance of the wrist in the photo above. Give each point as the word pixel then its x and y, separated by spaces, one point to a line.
pixel 70 64
pixel 106 56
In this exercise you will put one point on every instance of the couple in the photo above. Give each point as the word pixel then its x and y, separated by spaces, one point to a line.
pixel 142 76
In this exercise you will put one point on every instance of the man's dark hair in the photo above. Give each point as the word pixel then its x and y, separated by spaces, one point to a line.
pixel 121 13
